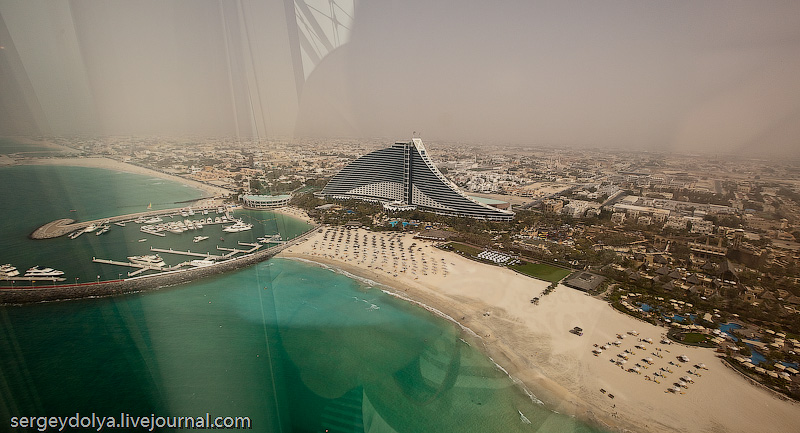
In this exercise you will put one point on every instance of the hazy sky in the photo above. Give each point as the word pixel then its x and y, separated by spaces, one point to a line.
pixel 715 76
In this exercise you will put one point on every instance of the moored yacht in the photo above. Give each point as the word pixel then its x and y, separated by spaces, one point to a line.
pixel 150 260
pixel 239 226
pixel 43 272
pixel 8 271
pixel 199 238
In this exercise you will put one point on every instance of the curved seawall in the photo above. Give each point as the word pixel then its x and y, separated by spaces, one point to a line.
pixel 141 283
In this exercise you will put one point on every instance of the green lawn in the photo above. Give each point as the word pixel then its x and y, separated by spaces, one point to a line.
pixel 465 249
pixel 693 338
pixel 542 272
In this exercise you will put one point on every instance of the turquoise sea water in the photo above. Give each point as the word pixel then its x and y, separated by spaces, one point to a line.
pixel 293 346
pixel 8 146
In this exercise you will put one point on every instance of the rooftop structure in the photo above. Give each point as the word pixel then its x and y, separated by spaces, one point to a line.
pixel 585 281
pixel 404 174
pixel 265 201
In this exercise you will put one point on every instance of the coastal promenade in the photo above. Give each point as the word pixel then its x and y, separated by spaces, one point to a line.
pixel 63 226
pixel 141 283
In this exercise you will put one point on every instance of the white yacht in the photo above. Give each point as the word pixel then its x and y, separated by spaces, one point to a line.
pixel 239 226
pixel 43 272
pixel 154 220
pixel 150 260
pixel 8 271
pixel 102 230
pixel 199 238
pixel 201 263
pixel 92 227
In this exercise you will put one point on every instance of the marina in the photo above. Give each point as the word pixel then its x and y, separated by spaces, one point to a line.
pixel 66 226
pixel 138 281
pixel 164 226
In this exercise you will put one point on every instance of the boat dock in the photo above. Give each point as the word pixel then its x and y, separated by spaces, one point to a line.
pixel 141 267
pixel 232 251
pixel 188 253
pixel 54 279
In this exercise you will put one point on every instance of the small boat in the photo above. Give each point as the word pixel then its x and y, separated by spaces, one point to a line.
pixel 154 220
pixel 199 238
pixel 92 227
pixel 73 210
pixel 201 263
pixel 205 211
pixel 143 240
pixel 102 230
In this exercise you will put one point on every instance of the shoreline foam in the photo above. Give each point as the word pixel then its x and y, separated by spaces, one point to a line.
pixel 533 345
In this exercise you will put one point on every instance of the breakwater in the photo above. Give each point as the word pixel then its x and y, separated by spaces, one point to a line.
pixel 142 283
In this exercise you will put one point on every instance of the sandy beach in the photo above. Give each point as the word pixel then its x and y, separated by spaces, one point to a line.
pixel 111 164
pixel 533 342
pixel 294 212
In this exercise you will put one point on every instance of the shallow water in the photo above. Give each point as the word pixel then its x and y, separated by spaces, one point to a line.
pixel 293 346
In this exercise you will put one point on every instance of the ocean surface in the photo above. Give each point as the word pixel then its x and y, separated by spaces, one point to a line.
pixel 293 346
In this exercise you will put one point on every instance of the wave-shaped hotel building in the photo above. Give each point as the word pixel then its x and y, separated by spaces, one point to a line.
pixel 404 177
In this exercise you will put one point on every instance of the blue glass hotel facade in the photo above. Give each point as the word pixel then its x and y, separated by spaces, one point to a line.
pixel 403 176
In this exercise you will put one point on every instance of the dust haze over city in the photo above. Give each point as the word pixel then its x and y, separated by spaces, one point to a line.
pixel 712 77
pixel 344 215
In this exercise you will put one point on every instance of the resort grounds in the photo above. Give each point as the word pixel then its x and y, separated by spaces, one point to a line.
pixel 570 373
